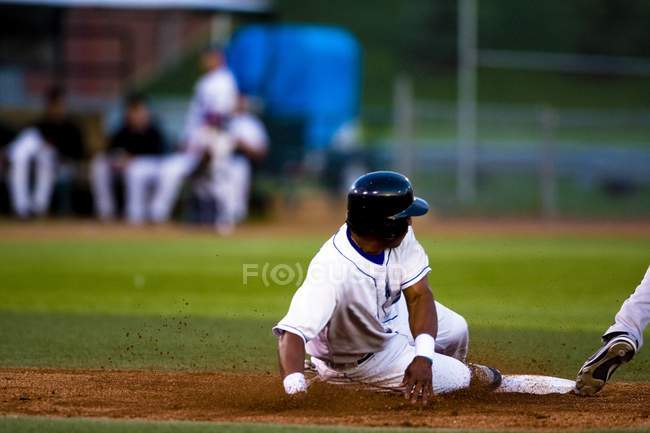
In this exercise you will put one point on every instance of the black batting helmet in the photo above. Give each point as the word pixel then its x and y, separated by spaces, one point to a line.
pixel 380 203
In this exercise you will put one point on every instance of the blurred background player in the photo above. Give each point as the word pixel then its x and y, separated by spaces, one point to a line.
pixel 213 103
pixel 231 176
pixel 620 342
pixel 55 145
pixel 135 152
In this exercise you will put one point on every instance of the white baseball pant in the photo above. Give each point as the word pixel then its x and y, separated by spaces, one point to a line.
pixel 385 369
pixel 230 186
pixel 174 169
pixel 27 147
pixel 141 175
pixel 634 315
pixel 101 176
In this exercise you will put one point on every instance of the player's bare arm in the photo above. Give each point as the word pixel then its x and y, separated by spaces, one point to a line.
pixel 423 321
pixel 291 357
pixel 291 354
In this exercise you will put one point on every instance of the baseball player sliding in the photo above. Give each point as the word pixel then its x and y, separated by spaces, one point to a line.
pixel 366 314
pixel 620 342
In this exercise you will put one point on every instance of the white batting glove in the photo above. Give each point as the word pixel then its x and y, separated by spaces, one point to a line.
pixel 295 383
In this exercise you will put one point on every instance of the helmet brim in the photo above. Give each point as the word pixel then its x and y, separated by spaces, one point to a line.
pixel 418 208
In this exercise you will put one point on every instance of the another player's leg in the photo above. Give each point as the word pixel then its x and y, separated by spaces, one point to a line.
pixel 634 315
pixel 620 342
pixel 618 348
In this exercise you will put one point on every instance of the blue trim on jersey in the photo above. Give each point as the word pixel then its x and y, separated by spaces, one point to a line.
pixel 377 259
pixel 352 261
pixel 419 273
pixel 392 318
pixel 280 325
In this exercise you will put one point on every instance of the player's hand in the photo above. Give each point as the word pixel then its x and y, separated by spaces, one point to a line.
pixel 295 384
pixel 417 381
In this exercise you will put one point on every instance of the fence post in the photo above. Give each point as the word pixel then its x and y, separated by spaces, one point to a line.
pixel 548 195
pixel 466 116
pixel 403 124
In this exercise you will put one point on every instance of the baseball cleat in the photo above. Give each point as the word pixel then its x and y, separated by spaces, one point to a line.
pixel 600 366
pixel 485 377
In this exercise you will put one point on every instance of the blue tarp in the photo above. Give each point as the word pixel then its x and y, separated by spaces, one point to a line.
pixel 300 71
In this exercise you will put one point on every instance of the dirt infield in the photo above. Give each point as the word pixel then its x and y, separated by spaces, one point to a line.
pixel 259 398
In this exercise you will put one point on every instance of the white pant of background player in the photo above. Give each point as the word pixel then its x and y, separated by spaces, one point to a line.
pixel 141 182
pixel 229 185
pixel 231 180
pixel 153 184
pixel 385 369
pixel 634 315
pixel 28 147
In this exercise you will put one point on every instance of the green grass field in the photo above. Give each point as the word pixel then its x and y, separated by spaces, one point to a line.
pixel 39 425
pixel 533 304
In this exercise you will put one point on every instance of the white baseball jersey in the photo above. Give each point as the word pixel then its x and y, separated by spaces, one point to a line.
pixel 347 305
pixel 215 93
pixel 249 131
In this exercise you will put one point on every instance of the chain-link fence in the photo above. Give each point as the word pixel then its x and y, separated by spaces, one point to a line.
pixel 530 160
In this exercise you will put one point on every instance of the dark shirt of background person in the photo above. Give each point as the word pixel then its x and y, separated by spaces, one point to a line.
pixel 6 135
pixel 139 135
pixel 60 131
